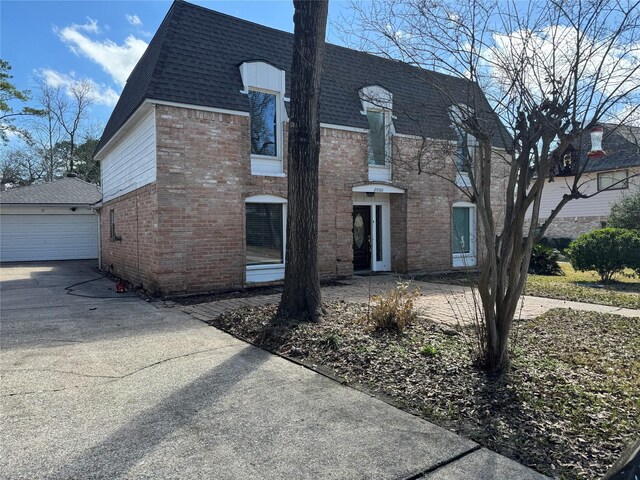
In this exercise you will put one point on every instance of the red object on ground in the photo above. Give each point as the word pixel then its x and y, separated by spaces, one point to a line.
pixel 120 287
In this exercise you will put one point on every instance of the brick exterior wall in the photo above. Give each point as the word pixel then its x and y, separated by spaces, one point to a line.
pixel 133 255
pixel 190 233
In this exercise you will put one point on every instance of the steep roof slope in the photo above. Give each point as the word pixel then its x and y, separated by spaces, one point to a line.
pixel 65 191
pixel 195 55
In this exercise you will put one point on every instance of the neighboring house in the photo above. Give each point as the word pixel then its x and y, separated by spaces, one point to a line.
pixel 610 177
pixel 49 221
pixel 194 166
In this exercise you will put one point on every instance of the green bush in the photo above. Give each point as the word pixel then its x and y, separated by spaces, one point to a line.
pixel 626 213
pixel 559 243
pixel 544 261
pixel 607 251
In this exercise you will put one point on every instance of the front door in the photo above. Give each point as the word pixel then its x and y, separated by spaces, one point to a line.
pixel 361 237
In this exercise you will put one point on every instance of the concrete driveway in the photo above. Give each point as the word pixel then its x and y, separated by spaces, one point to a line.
pixel 101 385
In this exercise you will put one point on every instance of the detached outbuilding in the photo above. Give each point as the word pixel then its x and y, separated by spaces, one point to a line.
pixel 49 221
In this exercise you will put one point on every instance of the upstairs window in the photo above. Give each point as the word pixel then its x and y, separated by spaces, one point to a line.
pixel 613 180
pixel 264 85
pixel 264 123
pixel 378 142
pixel 466 145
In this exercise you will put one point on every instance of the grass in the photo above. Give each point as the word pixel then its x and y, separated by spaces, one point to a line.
pixel 575 286
pixel 585 287
pixel 567 407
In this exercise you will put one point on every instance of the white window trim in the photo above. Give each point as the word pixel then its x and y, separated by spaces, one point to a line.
pixel 466 260
pixel 268 165
pixel 375 98
pixel 268 272
pixel 462 178
pixel 263 77
pixel 622 185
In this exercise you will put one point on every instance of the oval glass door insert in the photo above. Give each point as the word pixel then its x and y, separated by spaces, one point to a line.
pixel 358 230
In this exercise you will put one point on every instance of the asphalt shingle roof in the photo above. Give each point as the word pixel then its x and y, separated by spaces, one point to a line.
pixel 195 55
pixel 65 191
pixel 621 144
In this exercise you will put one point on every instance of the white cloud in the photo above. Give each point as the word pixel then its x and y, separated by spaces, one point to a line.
pixel 115 59
pixel 134 20
pixel 101 94
pixel 91 26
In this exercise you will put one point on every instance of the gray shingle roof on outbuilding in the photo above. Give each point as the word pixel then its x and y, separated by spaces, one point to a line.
pixel 621 144
pixel 195 55
pixel 66 191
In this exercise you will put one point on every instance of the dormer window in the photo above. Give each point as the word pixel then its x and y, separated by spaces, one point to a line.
pixel 264 123
pixel 377 105
pixel 378 138
pixel 264 85
pixel 466 145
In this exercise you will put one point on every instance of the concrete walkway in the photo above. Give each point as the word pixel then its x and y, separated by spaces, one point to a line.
pixel 438 302
pixel 105 386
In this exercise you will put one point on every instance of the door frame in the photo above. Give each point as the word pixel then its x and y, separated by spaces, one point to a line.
pixel 381 200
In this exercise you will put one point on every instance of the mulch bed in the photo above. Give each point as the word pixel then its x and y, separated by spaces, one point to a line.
pixel 568 406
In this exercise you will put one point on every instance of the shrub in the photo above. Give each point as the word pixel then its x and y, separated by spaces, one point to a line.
pixel 559 243
pixel 544 261
pixel 394 311
pixel 428 350
pixel 607 251
pixel 625 213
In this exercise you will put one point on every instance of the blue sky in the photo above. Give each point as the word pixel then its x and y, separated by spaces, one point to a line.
pixel 65 41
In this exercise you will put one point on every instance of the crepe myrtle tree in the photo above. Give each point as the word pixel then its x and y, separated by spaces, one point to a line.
pixel 550 71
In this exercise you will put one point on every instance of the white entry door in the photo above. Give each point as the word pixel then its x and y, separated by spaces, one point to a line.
pixel 48 237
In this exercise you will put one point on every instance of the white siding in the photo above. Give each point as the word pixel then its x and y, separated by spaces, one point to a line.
pixel 599 205
pixel 263 76
pixel 131 163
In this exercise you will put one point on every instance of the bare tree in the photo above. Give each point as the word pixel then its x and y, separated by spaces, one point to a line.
pixel 551 71
pixel 301 296
pixel 70 110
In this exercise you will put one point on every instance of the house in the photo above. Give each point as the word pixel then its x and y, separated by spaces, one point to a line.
pixel 604 180
pixel 49 221
pixel 194 165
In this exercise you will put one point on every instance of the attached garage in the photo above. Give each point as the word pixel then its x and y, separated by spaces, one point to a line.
pixel 50 221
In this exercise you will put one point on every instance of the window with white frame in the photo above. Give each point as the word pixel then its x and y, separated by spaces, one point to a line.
pixel 616 180
pixel 377 105
pixel 463 234
pixel 264 123
pixel 466 145
pixel 265 233
pixel 378 138
pixel 264 85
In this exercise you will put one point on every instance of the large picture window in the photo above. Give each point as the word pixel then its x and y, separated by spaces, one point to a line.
pixel 377 138
pixel 264 123
pixel 265 232
pixel 613 180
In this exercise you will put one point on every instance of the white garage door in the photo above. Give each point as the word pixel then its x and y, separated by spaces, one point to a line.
pixel 48 237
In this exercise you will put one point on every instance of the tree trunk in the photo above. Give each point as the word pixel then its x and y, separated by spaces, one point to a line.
pixel 301 296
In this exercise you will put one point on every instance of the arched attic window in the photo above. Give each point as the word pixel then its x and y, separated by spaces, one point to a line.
pixel 264 84
pixel 466 144
pixel 377 105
